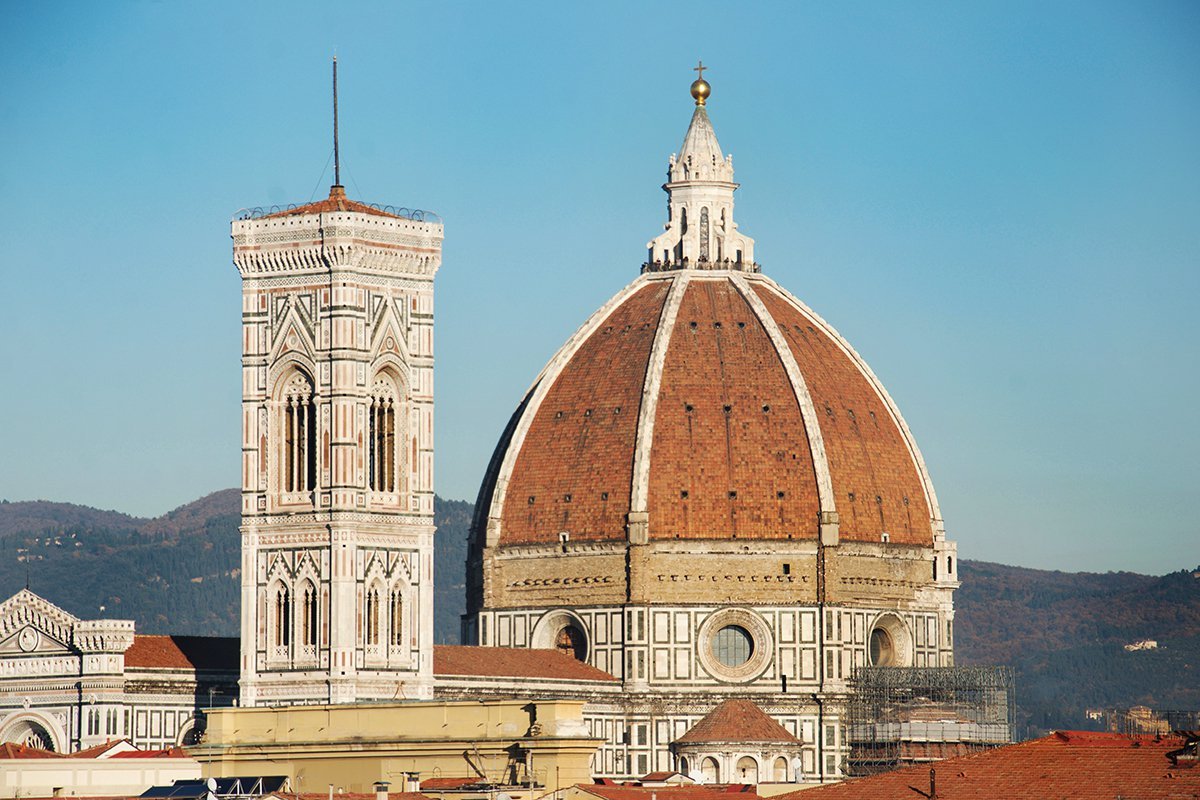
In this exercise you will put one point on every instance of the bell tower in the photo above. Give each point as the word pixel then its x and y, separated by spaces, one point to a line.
pixel 337 449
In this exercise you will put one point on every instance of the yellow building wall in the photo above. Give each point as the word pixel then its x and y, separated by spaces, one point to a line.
pixel 353 746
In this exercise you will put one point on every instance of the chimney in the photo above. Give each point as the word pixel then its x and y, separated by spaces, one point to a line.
pixel 412 781
pixel 381 790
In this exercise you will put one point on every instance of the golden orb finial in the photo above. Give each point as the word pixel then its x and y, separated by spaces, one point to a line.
pixel 700 87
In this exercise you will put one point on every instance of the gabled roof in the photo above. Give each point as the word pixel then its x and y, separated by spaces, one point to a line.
pixel 1068 765
pixel 737 721
pixel 215 653
pixel 512 662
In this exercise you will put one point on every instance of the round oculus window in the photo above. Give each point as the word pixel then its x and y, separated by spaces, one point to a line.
pixel 733 645
pixel 882 651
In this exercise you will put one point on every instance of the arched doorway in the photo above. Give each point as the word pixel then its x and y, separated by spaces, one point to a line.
pixel 747 770
pixel 781 770
pixel 710 770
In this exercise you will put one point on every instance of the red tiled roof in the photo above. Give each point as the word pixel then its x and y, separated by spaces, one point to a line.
pixel 1063 766
pixel 714 437
pixel 575 470
pixel 737 721
pixel 512 662
pixel 685 792
pixel 349 796
pixel 660 776
pixel 100 749
pixel 170 752
pixel 184 652
pixel 729 452
pixel 13 750
pixel 337 201
pixel 448 783
pixel 867 452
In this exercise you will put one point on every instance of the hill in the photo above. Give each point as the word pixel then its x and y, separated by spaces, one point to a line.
pixel 1064 632
pixel 178 573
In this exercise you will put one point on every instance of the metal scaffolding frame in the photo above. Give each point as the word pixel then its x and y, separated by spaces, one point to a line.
pixel 906 715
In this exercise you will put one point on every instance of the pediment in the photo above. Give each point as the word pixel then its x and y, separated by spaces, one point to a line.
pixel 25 610
pixel 33 641
pixel 388 337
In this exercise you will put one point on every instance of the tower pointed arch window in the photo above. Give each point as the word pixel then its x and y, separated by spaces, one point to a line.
pixel 298 422
pixel 396 618
pixel 281 617
pixel 383 428
pixel 309 617
pixel 372 616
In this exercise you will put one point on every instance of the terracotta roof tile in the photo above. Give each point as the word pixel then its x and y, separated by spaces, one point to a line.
pixel 348 796
pixel 1063 766
pixel 875 479
pixel 512 662
pixel 170 752
pixel 211 653
pixel 13 750
pixel 737 721
pixel 337 201
pixel 685 792
pixel 729 453
pixel 575 469
pixel 435 784
pixel 730 457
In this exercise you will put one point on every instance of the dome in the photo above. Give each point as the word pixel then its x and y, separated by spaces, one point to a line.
pixel 706 405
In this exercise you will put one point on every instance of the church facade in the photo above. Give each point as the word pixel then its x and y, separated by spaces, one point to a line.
pixel 67 684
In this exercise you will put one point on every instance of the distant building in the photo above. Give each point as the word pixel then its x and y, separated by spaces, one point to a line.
pixel 68 684
pixel 1143 644
pixel 113 769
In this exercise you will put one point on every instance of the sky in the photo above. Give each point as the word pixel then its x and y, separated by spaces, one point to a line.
pixel 997 204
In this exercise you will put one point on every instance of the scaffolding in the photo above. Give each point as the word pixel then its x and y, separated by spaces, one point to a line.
pixel 897 716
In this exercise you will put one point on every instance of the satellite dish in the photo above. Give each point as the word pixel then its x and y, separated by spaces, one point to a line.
pixel 211 785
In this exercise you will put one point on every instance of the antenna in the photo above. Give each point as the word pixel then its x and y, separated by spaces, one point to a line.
pixel 337 163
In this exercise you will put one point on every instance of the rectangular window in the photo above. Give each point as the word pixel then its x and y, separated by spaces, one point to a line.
pixel 641 734
pixel 830 735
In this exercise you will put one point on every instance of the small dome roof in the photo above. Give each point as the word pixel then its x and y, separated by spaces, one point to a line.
pixel 710 405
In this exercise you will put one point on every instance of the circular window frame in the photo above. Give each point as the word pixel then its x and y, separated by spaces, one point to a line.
pixel 762 640
pixel 901 640
pixel 546 630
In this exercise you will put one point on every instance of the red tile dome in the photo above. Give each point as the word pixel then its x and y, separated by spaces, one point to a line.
pixel 706 405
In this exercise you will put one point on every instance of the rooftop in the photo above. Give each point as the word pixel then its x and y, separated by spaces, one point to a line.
pixel 512 662
pixel 215 653
pixel 1068 765
pixel 737 721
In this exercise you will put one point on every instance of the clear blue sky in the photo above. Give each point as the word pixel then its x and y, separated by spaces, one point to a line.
pixel 997 204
